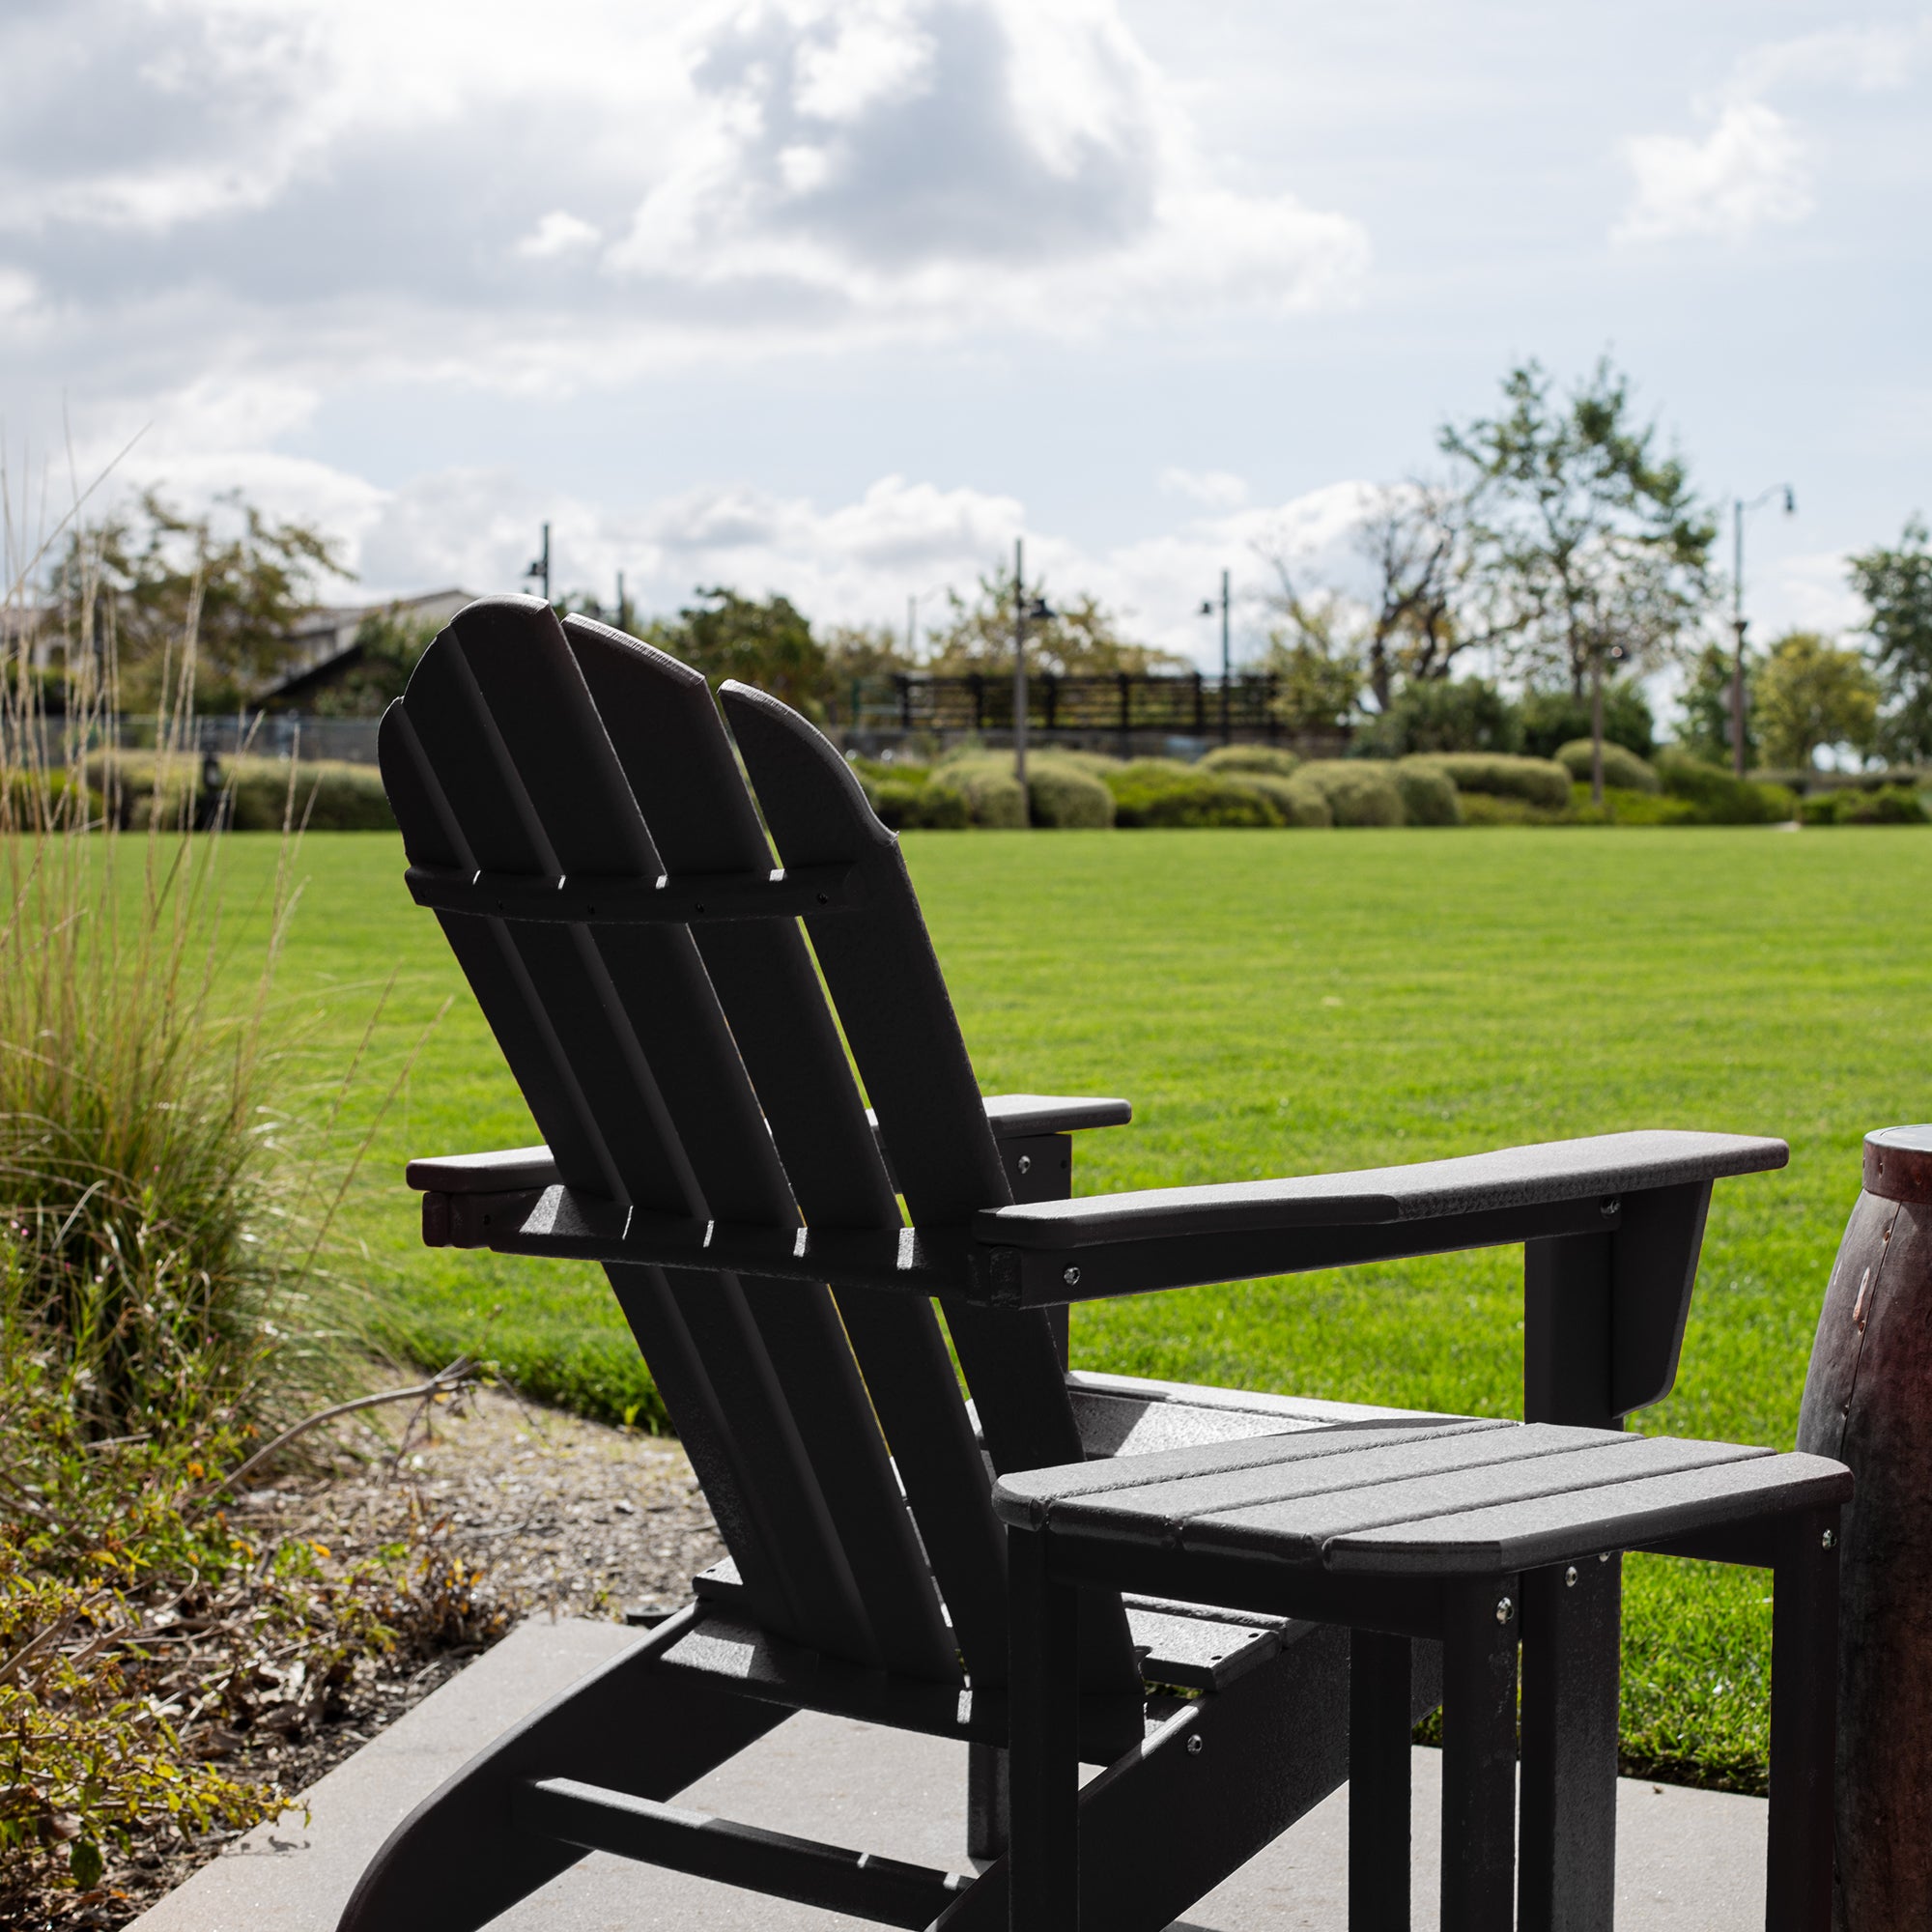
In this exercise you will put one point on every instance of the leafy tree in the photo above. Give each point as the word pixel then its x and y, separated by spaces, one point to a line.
pixel 389 644
pixel 1896 585
pixel 1317 678
pixel 234 581
pixel 855 656
pixel 1462 714
pixel 1410 629
pixel 1705 727
pixel 1082 638
pixel 1812 693
pixel 767 644
pixel 1552 719
pixel 1587 548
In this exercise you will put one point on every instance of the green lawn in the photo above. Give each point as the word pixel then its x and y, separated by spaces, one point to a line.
pixel 1275 1004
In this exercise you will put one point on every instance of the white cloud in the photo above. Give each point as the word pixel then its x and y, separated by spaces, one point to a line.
pixel 933 165
pixel 1751 170
pixel 350 190
pixel 1212 489
pixel 559 233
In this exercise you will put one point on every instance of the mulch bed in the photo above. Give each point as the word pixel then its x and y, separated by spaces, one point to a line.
pixel 563 1517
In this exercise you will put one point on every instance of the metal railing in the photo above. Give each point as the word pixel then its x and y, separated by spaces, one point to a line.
pixel 1247 705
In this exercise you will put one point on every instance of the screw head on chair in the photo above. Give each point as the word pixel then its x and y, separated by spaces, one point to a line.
pixel 1070 1276
pixel 1505 1609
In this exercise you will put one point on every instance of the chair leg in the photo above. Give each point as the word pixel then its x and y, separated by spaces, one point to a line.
pixel 1043 1702
pixel 1803 1723
pixel 989 1800
pixel 1571 1629
pixel 1480 1623
pixel 1378 1793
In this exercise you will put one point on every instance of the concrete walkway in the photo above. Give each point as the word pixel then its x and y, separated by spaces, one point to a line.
pixel 1688 1860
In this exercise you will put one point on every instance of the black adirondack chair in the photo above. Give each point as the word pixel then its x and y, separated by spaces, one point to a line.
pixel 575 815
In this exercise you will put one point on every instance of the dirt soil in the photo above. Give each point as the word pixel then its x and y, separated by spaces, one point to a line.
pixel 565 1517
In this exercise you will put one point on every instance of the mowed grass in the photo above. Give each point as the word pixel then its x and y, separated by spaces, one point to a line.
pixel 1274 1004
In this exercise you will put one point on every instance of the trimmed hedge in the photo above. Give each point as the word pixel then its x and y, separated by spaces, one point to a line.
pixel 1360 791
pixel 1622 767
pixel 1067 798
pixel 1300 803
pixel 1889 805
pixel 1719 798
pixel 1538 782
pixel 330 795
pixel 1427 797
pixel 1263 760
pixel 991 794
pixel 1165 792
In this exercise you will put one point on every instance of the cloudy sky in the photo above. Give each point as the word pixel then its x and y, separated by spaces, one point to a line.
pixel 838 297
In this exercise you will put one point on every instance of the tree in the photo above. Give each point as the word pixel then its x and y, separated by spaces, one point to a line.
pixel 857 655
pixel 1318 675
pixel 1705 729
pixel 1445 713
pixel 766 643
pixel 1587 550
pixel 1553 718
pixel 232 582
pixel 388 645
pixel 1081 638
pixel 1896 585
pixel 1410 628
pixel 1812 693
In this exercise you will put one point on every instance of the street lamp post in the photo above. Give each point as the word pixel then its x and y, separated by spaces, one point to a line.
pixel 1740 510
pixel 1208 611
pixel 540 568
pixel 1037 612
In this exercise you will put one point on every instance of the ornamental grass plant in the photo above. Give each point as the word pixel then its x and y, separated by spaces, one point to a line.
pixel 170 1172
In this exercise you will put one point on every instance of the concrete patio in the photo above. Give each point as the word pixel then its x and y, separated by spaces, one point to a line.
pixel 1688 1860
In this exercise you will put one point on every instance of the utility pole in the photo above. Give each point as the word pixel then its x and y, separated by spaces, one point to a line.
pixel 1227 734
pixel 623 607
pixel 1019 671
pixel 540 569
pixel 1227 674
pixel 1740 510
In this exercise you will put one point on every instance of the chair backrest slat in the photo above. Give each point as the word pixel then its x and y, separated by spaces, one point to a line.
pixel 899 1020
pixel 502 707
pixel 671 744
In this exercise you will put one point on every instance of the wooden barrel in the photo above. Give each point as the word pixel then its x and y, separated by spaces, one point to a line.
pixel 1868 1403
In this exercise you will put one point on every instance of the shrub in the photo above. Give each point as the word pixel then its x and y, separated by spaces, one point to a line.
pixel 1622 767
pixel 1720 799
pixel 1360 791
pixel 1165 792
pixel 327 796
pixel 1552 719
pixel 1461 713
pixel 986 788
pixel 1299 801
pixel 1489 807
pixel 1630 808
pixel 1065 797
pixel 1538 782
pixel 1267 760
pixel 910 804
pixel 1427 797
pixel 1889 805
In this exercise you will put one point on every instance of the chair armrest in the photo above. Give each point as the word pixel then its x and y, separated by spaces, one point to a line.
pixel 1020 1116
pixel 513 1170
pixel 1605 1166
pixel 1010 1115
